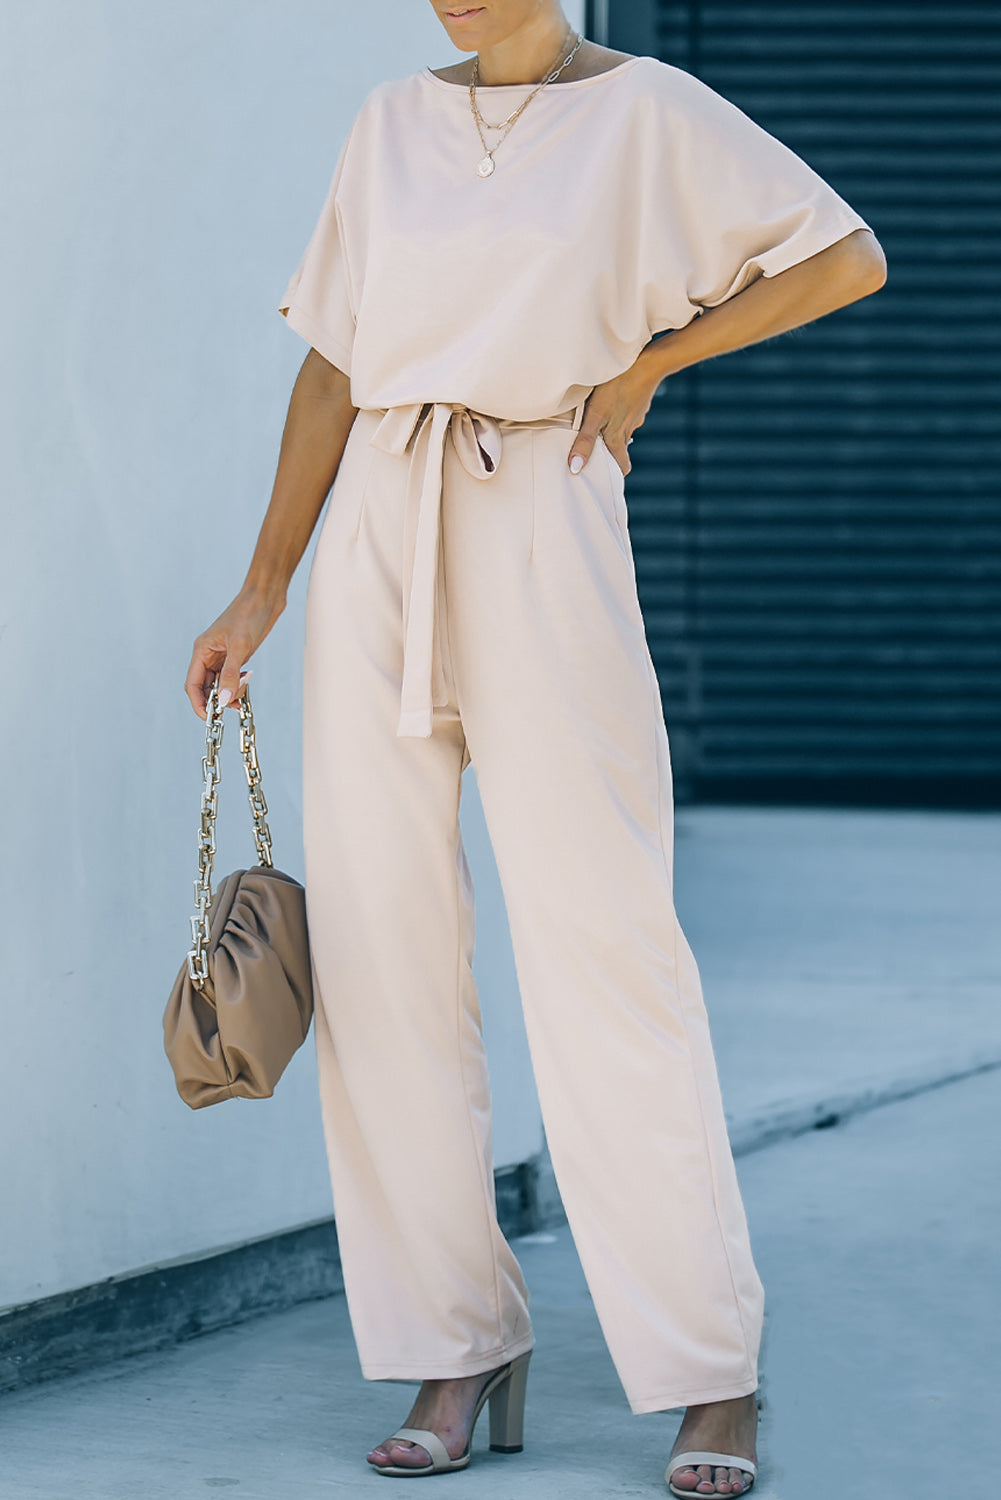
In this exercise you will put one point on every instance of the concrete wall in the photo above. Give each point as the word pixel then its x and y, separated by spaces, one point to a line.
pixel 163 166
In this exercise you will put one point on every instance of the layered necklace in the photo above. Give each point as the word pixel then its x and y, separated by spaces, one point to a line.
pixel 486 167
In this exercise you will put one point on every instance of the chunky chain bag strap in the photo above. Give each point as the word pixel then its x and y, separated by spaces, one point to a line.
pixel 242 1001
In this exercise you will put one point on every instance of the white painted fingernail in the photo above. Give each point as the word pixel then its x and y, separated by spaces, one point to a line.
pixel 224 697
pixel 576 464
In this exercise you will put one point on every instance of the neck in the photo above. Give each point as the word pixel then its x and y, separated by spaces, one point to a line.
pixel 529 53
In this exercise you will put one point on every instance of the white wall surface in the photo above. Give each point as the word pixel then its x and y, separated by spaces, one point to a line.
pixel 163 166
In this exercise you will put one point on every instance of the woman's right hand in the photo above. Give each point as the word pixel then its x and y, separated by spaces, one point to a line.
pixel 220 653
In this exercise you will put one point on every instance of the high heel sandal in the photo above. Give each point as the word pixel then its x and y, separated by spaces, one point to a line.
pixel 506 1393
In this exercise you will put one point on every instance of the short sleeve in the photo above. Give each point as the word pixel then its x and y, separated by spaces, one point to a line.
pixel 318 302
pixel 742 204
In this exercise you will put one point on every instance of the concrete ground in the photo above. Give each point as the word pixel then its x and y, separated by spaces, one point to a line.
pixel 845 957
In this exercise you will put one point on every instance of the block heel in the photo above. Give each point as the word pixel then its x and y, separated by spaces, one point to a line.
pixel 507 1408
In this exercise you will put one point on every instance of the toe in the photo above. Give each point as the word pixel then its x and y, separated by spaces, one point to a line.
pixel 710 1480
pixel 409 1455
pixel 685 1479
pixel 400 1453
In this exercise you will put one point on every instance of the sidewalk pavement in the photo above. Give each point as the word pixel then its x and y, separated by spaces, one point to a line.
pixel 845 956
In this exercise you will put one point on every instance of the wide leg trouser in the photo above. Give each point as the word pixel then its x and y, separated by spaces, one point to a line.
pixel 553 696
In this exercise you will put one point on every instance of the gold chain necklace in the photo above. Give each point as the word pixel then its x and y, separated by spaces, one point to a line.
pixel 486 166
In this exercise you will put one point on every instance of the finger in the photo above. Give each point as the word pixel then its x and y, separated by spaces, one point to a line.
pixel 205 662
pixel 618 447
pixel 231 680
pixel 583 444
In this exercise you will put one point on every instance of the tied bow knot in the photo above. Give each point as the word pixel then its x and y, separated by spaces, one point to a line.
pixel 425 428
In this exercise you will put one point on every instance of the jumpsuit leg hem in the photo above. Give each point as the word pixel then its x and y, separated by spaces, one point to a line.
pixel 692 1396
pixel 750 1340
pixel 475 1364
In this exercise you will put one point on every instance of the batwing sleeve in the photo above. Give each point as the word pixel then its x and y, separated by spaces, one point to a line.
pixel 318 301
pixel 741 204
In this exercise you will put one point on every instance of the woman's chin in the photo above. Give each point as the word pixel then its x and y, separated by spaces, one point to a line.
pixel 464 32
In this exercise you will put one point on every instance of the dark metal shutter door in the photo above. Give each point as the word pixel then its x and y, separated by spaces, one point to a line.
pixel 816 519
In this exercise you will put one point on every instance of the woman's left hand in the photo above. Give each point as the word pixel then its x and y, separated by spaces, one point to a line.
pixel 615 409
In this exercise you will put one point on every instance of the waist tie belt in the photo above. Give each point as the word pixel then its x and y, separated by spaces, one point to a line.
pixel 478 441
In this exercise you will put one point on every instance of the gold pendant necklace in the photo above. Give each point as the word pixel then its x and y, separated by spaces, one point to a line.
pixel 485 168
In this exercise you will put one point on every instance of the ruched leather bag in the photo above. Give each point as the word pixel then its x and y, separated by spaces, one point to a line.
pixel 242 1002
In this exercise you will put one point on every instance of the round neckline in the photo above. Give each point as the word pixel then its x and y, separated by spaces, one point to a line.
pixel 496 88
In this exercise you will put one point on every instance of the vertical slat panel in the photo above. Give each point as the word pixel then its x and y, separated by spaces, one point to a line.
pixel 816 519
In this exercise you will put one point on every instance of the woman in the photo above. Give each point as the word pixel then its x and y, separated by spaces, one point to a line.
pixel 501 243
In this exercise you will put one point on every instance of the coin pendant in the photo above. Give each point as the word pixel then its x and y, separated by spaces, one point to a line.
pixel 486 166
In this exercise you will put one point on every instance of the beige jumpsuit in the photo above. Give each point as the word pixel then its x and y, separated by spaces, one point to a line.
pixel 471 600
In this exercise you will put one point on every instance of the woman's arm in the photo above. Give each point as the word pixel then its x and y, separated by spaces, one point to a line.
pixel 320 416
pixel 852 268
